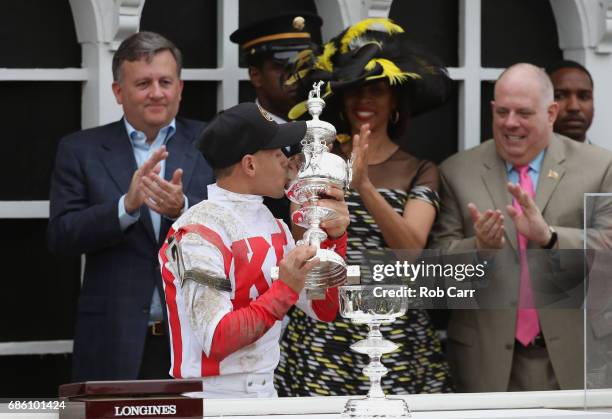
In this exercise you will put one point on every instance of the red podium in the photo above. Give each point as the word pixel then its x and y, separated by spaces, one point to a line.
pixel 131 399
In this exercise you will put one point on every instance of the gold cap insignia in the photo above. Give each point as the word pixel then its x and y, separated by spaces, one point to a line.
pixel 265 113
pixel 298 23
pixel 553 175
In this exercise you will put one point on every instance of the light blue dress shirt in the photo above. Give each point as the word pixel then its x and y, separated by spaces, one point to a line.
pixel 142 152
pixel 534 171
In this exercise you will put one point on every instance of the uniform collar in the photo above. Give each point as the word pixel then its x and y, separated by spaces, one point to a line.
pixel 276 118
pixel 215 192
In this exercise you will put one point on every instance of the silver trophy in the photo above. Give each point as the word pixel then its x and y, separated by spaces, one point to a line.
pixel 374 305
pixel 318 169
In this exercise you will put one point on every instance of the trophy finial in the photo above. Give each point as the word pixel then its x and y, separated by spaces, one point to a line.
pixel 316 89
pixel 315 104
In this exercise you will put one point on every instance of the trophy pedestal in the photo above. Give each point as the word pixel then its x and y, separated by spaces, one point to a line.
pixel 330 272
pixel 362 305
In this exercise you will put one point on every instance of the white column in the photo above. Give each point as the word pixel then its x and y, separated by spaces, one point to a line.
pixel 469 63
pixel 378 8
pixel 339 14
pixel 600 67
pixel 101 25
pixel 227 55
pixel 99 106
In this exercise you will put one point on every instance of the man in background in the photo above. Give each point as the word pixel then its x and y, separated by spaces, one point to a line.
pixel 522 190
pixel 267 46
pixel 573 86
pixel 115 191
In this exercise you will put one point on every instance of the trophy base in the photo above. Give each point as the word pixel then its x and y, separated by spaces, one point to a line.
pixel 376 407
pixel 330 272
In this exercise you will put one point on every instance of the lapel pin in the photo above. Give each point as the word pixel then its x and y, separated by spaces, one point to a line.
pixel 553 175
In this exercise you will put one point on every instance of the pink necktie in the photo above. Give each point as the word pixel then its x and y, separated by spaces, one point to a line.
pixel 527 323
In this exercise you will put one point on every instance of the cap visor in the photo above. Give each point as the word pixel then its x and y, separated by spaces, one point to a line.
pixel 288 134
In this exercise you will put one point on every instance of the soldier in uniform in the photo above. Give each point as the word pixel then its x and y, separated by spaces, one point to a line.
pixel 267 46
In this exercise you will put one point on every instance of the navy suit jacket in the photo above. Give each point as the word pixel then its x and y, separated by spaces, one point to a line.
pixel 93 169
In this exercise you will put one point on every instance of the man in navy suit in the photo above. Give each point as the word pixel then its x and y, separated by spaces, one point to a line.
pixel 115 191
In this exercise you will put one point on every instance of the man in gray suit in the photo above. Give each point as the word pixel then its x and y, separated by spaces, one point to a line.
pixel 484 208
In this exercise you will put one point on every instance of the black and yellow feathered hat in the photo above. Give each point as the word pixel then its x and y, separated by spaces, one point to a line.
pixel 370 50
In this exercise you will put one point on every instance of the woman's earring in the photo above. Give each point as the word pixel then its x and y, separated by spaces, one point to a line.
pixel 395 117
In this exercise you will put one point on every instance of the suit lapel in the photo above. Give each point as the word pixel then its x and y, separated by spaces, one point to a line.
pixel 181 154
pixel 551 173
pixel 495 178
pixel 118 158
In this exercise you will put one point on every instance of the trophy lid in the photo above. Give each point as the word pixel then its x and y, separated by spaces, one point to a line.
pixel 314 103
pixel 317 129
pixel 317 123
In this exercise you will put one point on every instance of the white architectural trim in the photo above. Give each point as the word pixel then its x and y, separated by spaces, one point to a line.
pixel 484 74
pixel 98 106
pixel 127 20
pixel 605 43
pixel 43 74
pixel 447 405
pixel 570 16
pixel 339 14
pixel 584 23
pixel 106 21
pixel 24 209
pixel 36 347
pixel 490 74
pixel 457 73
pixel 86 15
pixel 470 63
pixel 228 72
pixel 101 25
pixel 378 8
pixel 215 74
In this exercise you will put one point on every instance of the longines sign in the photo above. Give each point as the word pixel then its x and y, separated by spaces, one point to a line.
pixel 145 410
pixel 131 399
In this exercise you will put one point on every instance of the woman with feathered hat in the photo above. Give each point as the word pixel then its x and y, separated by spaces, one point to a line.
pixel 376 79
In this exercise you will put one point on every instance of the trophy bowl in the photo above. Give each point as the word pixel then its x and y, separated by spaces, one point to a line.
pixel 374 305
pixel 316 172
pixel 368 303
pixel 330 272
